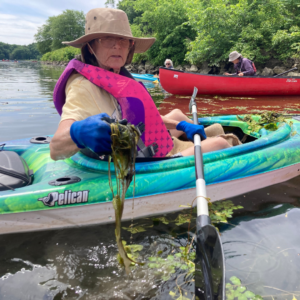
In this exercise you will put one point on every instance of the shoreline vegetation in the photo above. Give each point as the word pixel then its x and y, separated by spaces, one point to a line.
pixel 272 67
pixel 197 35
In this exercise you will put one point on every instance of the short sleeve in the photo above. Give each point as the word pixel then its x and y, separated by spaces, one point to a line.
pixel 80 103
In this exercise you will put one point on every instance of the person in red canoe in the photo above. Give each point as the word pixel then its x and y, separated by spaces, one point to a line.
pixel 243 66
pixel 169 64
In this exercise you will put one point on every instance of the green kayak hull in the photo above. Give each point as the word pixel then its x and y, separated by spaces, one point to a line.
pixel 160 186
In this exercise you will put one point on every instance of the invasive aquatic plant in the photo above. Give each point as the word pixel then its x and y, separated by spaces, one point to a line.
pixel 267 120
pixel 167 266
pixel 124 143
pixel 238 291
pixel 131 251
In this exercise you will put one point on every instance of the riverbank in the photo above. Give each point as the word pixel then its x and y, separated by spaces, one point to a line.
pixel 270 68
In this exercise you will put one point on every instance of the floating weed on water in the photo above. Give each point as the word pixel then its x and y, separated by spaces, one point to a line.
pixel 259 121
pixel 132 252
pixel 238 291
pixel 164 220
pixel 165 267
pixel 183 218
pixel 136 229
pixel 220 211
pixel 124 141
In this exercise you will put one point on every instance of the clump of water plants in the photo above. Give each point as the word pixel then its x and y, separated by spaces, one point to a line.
pixel 124 145
pixel 220 211
pixel 267 120
pixel 167 266
pixel 132 251
pixel 235 290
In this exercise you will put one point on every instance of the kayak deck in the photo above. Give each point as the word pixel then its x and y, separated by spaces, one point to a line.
pixel 160 186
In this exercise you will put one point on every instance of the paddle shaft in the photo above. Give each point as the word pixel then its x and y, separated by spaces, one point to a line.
pixel 202 207
pixel 285 72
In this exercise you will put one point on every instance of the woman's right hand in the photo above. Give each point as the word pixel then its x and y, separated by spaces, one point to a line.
pixel 92 133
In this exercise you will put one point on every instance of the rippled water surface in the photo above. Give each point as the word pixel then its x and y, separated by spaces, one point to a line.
pixel 261 243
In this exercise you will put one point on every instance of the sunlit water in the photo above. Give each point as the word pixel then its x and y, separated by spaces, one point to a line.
pixel 261 243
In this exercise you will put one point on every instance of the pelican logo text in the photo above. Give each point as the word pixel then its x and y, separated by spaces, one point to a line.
pixel 291 80
pixel 66 198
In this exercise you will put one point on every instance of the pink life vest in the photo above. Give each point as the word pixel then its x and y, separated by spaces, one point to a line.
pixel 135 102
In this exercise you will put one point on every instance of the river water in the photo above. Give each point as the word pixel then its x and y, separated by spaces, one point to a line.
pixel 261 242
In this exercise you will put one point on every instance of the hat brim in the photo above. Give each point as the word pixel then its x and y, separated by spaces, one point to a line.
pixel 141 44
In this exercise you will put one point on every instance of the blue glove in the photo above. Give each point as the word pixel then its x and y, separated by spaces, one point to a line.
pixel 92 133
pixel 191 130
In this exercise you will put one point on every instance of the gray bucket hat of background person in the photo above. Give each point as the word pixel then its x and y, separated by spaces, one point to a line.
pixel 234 55
pixel 100 22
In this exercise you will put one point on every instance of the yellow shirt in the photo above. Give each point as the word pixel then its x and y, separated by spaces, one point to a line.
pixel 84 99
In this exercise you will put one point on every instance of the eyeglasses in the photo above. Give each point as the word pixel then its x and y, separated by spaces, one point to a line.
pixel 109 42
pixel 168 64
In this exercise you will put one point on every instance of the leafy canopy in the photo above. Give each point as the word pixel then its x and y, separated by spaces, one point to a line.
pixel 67 26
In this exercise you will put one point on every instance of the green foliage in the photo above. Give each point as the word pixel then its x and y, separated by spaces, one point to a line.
pixel 166 21
pixel 19 52
pixel 67 26
pixel 223 26
pixel 237 291
pixel 63 54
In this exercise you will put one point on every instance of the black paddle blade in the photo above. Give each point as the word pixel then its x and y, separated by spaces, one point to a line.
pixel 209 266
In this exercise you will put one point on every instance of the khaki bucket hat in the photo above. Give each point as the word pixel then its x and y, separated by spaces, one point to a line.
pixel 234 55
pixel 101 22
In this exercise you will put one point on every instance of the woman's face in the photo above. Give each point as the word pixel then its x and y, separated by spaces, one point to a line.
pixel 111 52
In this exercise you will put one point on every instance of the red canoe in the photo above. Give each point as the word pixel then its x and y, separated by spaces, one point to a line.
pixel 182 83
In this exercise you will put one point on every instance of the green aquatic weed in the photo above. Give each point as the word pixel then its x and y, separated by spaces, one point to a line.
pixel 132 252
pixel 237 291
pixel 124 143
pixel 267 120
pixel 220 211
pixel 167 266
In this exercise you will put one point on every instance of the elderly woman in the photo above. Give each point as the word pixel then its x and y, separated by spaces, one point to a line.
pixel 108 43
pixel 169 64
pixel 243 66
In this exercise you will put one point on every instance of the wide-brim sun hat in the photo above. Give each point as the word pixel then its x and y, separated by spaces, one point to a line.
pixel 234 55
pixel 100 22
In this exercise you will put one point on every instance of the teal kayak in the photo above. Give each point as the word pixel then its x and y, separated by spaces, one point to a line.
pixel 76 192
pixel 148 77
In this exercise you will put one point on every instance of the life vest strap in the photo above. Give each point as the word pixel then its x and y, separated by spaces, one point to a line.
pixel 145 151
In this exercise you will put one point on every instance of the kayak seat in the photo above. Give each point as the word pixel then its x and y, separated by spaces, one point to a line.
pixel 14 171
pixel 243 137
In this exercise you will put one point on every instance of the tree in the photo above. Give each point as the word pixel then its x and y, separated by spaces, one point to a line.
pixel 245 26
pixel 44 38
pixel 166 20
pixel 21 52
pixel 67 26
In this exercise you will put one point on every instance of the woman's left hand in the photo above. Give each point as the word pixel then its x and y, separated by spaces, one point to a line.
pixel 191 129
pixel 241 74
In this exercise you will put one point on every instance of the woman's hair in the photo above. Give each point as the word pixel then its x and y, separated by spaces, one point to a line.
pixel 89 58
pixel 169 61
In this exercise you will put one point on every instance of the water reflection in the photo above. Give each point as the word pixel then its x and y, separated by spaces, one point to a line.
pixel 223 105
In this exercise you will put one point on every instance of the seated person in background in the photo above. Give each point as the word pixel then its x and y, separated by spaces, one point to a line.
pixel 108 43
pixel 243 66
pixel 169 64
